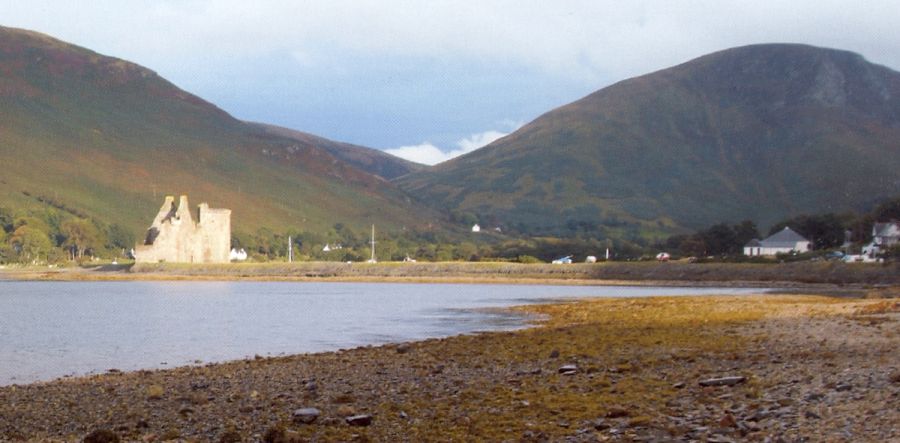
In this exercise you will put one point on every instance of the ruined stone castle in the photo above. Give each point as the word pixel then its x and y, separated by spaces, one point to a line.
pixel 174 237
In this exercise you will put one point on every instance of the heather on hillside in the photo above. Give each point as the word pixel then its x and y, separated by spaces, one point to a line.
pixel 762 132
pixel 108 139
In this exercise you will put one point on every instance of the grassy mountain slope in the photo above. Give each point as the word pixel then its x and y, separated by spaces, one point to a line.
pixel 370 160
pixel 758 132
pixel 111 138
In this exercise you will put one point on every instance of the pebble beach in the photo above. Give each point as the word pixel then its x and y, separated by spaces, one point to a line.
pixel 716 369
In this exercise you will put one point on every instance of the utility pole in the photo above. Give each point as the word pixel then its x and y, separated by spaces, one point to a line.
pixel 290 250
pixel 372 260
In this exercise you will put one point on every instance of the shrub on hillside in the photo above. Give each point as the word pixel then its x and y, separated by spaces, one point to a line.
pixel 528 259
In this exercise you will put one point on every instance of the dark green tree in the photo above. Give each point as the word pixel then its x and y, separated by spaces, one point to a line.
pixel 346 236
pixel 118 237
pixel 888 210
pixel 466 251
pixel 6 220
pixel 265 242
pixel 80 236
pixel 693 246
pixel 719 239
pixel 31 244
pixel 744 232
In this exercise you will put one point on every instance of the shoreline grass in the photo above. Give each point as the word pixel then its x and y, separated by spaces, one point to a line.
pixel 613 273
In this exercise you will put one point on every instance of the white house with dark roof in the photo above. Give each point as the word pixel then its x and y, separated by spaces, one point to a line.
pixel 884 235
pixel 753 247
pixel 785 241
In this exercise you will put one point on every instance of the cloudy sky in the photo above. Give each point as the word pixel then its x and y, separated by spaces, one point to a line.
pixel 428 80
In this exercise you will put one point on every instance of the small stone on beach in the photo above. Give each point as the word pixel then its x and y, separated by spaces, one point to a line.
pixel 568 369
pixel 723 381
pixel 306 415
pixel 359 420
pixel 102 436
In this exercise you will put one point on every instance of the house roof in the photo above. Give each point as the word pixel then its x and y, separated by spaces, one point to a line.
pixel 786 238
pixel 753 243
pixel 889 229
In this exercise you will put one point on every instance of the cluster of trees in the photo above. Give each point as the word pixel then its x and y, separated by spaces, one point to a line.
pixel 346 244
pixel 824 231
pixel 576 223
pixel 624 240
pixel 718 239
pixel 52 236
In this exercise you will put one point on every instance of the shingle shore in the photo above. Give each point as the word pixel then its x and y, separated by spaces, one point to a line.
pixel 623 369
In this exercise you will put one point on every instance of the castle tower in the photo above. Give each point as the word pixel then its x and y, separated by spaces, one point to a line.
pixel 174 236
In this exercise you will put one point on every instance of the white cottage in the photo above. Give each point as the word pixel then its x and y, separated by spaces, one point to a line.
pixel 782 242
pixel 884 235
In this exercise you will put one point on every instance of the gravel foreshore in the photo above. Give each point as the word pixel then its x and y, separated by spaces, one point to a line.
pixel 715 369
pixel 802 275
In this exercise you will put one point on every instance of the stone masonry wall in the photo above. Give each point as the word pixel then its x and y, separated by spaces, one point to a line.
pixel 174 237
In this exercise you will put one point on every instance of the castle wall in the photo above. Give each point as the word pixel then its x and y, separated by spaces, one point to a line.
pixel 174 237
pixel 214 230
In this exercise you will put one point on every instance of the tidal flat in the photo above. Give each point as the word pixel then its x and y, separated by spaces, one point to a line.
pixel 51 329
pixel 806 274
pixel 795 366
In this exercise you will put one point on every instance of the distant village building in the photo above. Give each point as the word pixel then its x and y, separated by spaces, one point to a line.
pixel 476 228
pixel 884 235
pixel 237 254
pixel 753 247
pixel 785 241
pixel 174 237
pixel 848 240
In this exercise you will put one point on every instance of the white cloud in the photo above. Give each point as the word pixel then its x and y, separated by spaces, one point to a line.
pixel 429 154
pixel 476 141
pixel 425 153
pixel 591 40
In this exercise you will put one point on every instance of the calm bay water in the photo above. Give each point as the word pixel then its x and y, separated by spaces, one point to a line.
pixel 53 329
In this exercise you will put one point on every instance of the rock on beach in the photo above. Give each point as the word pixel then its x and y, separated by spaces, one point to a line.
pixel 723 381
pixel 359 420
pixel 306 415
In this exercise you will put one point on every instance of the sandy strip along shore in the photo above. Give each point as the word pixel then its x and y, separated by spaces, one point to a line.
pixel 816 275
pixel 810 367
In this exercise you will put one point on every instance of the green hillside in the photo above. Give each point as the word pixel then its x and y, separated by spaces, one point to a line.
pixel 370 160
pixel 108 139
pixel 758 132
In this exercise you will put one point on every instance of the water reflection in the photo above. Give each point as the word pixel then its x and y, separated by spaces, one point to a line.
pixel 50 329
